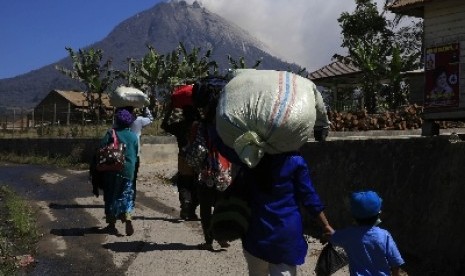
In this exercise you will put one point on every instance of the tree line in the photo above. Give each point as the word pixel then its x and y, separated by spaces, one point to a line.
pixel 155 74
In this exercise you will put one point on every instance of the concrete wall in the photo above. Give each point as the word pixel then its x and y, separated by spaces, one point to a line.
pixel 421 180
pixel 422 183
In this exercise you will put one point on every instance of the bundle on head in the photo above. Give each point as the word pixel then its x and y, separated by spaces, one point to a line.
pixel 206 92
pixel 267 111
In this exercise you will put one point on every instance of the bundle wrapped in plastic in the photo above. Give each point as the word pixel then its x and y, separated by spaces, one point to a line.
pixel 267 111
pixel 128 96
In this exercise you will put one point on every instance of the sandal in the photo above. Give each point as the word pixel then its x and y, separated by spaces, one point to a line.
pixel 129 228
pixel 110 229
pixel 205 246
pixel 224 244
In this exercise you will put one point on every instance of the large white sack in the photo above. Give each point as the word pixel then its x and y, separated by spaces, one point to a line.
pixel 128 96
pixel 268 111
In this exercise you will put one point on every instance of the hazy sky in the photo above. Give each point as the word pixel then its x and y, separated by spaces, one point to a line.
pixel 34 33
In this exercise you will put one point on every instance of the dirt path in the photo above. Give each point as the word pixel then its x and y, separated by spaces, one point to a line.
pixel 70 217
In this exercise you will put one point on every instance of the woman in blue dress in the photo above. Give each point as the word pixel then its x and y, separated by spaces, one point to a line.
pixel 274 243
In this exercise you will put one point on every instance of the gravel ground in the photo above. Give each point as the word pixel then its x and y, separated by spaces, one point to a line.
pixel 164 245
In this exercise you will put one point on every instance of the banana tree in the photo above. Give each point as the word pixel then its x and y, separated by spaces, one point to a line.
pixel 378 50
pixel 240 64
pixel 97 76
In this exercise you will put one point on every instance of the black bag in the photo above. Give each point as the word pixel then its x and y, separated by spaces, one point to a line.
pixel 230 219
pixel 110 158
pixel 330 260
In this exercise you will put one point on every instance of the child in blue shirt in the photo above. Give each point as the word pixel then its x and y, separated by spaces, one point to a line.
pixel 371 250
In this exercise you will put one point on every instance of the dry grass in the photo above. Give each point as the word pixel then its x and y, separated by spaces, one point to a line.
pixel 18 232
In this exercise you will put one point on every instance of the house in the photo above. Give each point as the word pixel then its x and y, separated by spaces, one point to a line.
pixel 444 44
pixel 65 107
pixel 338 76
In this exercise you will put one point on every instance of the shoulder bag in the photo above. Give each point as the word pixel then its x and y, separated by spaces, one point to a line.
pixel 110 158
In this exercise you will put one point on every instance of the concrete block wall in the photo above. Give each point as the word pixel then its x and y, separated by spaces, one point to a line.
pixel 421 181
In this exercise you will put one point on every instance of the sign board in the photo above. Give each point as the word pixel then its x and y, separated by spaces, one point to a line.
pixel 442 76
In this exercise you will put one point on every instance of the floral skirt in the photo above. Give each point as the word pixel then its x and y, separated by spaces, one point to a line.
pixel 119 198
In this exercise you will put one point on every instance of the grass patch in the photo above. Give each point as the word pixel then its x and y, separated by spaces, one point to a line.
pixel 59 161
pixel 18 232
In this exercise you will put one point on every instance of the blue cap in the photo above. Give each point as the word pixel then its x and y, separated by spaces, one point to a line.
pixel 365 204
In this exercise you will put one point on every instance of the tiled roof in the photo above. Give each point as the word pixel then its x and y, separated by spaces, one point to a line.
pixel 334 69
pixel 78 98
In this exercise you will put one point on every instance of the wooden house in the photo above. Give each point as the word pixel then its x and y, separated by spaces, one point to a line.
pixel 65 107
pixel 444 44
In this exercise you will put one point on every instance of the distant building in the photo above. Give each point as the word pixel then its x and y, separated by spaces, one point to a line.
pixel 64 107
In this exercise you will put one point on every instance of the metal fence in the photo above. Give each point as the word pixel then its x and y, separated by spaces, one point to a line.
pixel 17 122
pixel 23 123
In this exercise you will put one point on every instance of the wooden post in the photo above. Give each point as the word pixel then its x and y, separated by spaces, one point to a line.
pixel 54 113
pixel 82 113
pixel 22 120
pixel 14 119
pixel 69 114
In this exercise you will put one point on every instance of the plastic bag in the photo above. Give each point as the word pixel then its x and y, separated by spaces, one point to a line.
pixel 330 260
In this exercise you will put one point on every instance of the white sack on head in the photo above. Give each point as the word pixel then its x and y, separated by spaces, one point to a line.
pixel 128 96
pixel 267 111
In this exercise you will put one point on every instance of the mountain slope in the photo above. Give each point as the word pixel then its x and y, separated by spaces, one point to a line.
pixel 163 26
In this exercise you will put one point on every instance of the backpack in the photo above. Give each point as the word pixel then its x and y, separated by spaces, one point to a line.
pixel 110 158
pixel 216 171
pixel 203 156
